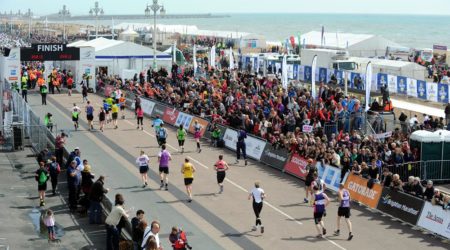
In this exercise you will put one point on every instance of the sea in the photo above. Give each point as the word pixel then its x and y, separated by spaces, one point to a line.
pixel 414 31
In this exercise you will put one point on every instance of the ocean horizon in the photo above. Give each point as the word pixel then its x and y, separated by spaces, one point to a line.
pixel 409 30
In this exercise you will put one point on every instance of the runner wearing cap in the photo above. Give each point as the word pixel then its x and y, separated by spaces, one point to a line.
pixel 344 210
pixel 142 161
pixel 188 170
pixel 320 201
pixel 221 167
pixel 157 125
pixel 164 157
pixel 197 134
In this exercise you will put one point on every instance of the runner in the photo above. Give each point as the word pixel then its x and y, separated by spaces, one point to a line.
pixel 188 170
pixel 258 196
pixel 344 211
pixel 122 105
pixel 197 134
pixel 137 103
pixel 41 177
pixel 181 136
pixel 109 100
pixel 240 145
pixel 101 118
pixel 311 169
pixel 221 167
pixel 320 201
pixel 142 162
pixel 162 135
pixel 164 157
pixel 75 114
pixel 157 125
pixel 106 109
pixel 140 117
pixel 69 86
pixel 115 114
pixel 318 182
pixel 90 115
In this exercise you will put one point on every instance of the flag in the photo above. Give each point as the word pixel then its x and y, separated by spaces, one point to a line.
pixel 284 73
pixel 292 38
pixel 313 76
pixel 174 52
pixel 194 59
pixel 322 37
pixel 213 57
pixel 368 84
pixel 231 59
pixel 299 42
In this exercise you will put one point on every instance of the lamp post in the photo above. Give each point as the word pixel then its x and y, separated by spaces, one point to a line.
pixel 155 7
pixel 63 13
pixel 96 11
pixel 30 15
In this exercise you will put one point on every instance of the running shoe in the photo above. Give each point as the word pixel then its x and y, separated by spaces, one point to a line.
pixel 305 200
pixel 319 236
pixel 254 228
pixel 190 200
pixel 350 236
pixel 236 162
pixel 337 233
pixel 199 150
pixel 324 231
pixel 246 163
pixel 262 229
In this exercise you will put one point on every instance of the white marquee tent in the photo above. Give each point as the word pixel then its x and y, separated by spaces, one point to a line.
pixel 361 45
pixel 116 56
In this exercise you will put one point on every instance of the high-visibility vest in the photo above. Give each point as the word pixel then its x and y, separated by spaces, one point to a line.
pixel 24 86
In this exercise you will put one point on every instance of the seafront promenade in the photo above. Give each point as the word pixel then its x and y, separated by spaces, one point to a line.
pixel 215 221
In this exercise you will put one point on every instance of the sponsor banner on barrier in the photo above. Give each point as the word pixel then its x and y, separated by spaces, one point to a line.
pixel 392 83
pixel 435 219
pixel 401 85
pixel 184 119
pixel 276 158
pixel 443 92
pixel 332 177
pixel 412 87
pixel 147 106
pixel 359 191
pixel 170 115
pixel 432 89
pixel 422 89
pixel 382 135
pixel 323 75
pixel 203 124
pixel 159 110
pixel 307 74
pixel 400 205
pixel 254 147
pixel 296 166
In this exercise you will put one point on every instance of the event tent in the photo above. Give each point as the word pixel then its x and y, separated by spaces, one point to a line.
pixel 115 56
pixel 362 45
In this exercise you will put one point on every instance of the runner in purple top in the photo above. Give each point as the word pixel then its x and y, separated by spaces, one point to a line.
pixel 164 157
pixel 344 210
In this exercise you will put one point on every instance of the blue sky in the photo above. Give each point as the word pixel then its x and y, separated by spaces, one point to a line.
pixel 423 7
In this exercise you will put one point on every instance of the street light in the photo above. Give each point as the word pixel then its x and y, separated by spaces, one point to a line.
pixel 63 13
pixel 96 11
pixel 30 15
pixel 154 7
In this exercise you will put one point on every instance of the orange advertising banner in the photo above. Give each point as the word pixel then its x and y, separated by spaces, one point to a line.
pixel 203 124
pixel 359 191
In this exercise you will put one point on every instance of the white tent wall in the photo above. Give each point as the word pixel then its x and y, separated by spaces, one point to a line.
pixel 373 46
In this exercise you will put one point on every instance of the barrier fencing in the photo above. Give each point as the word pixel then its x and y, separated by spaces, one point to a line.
pixel 407 208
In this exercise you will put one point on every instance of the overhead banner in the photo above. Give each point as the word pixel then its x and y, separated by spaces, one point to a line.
pixel 435 219
pixel 401 85
pixel 400 205
pixel 443 93
pixel 254 147
pixel 432 91
pixel 170 115
pixel 49 52
pixel 184 119
pixel 359 191
pixel 296 166
pixel 412 87
pixel 332 177
pixel 274 157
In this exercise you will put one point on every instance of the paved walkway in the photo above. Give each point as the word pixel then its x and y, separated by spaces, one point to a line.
pixel 218 221
pixel 19 210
